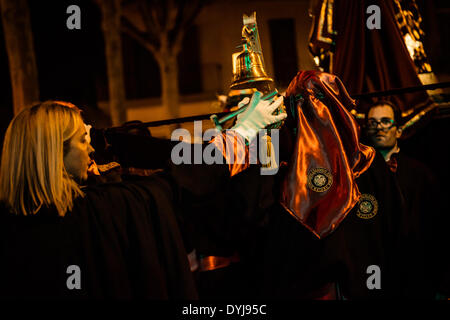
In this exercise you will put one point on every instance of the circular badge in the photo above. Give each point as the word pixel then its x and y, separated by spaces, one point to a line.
pixel 319 179
pixel 367 206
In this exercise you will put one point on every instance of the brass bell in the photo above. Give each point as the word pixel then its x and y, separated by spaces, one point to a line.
pixel 248 72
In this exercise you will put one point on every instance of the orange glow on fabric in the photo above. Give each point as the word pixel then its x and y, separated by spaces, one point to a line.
pixel 234 150
pixel 320 189
pixel 209 263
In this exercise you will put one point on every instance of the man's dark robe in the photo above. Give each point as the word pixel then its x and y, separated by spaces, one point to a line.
pixel 123 237
pixel 299 265
pixel 428 223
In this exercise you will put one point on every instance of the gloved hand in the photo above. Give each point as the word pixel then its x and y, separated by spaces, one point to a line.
pixel 257 116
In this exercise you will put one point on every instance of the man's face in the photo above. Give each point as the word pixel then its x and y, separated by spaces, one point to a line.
pixel 382 136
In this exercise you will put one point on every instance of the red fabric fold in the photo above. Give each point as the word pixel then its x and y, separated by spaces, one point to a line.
pixel 233 148
pixel 320 189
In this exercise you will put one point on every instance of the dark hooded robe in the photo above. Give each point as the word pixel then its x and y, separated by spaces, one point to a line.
pixel 209 222
pixel 428 218
pixel 331 213
pixel 368 252
pixel 121 240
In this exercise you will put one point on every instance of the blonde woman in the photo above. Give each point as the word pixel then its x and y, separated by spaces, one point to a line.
pixel 58 240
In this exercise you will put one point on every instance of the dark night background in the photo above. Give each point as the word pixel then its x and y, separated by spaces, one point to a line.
pixel 71 66
pixel 71 63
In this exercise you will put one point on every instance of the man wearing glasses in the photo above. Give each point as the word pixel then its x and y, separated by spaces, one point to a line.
pixel 420 196
pixel 382 128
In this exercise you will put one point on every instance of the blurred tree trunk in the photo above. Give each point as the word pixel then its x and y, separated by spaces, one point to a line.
pixel 111 15
pixel 19 46
pixel 168 67
pixel 159 26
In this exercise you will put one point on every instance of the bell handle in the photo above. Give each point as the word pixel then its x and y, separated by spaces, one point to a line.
pixel 219 122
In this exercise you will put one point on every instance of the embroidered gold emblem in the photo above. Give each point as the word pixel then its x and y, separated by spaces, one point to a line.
pixel 367 206
pixel 319 179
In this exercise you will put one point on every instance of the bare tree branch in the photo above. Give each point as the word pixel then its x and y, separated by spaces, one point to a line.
pixel 144 41
pixel 159 26
pixel 187 17
pixel 172 14
pixel 150 14
pixel 190 12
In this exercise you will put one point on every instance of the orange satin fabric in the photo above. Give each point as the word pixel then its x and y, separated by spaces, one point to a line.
pixel 234 150
pixel 327 137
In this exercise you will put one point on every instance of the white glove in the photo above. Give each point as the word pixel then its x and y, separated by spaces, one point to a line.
pixel 257 116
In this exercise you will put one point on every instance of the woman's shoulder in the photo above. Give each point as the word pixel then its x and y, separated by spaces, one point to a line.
pixel 158 179
pixel 128 192
pixel 44 212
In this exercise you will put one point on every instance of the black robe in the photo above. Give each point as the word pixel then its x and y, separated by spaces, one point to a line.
pixel 218 216
pixel 280 258
pixel 299 265
pixel 123 237
pixel 428 222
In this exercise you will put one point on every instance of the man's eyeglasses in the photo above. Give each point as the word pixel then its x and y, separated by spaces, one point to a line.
pixel 385 123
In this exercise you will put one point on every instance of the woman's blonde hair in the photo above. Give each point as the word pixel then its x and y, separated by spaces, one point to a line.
pixel 32 170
